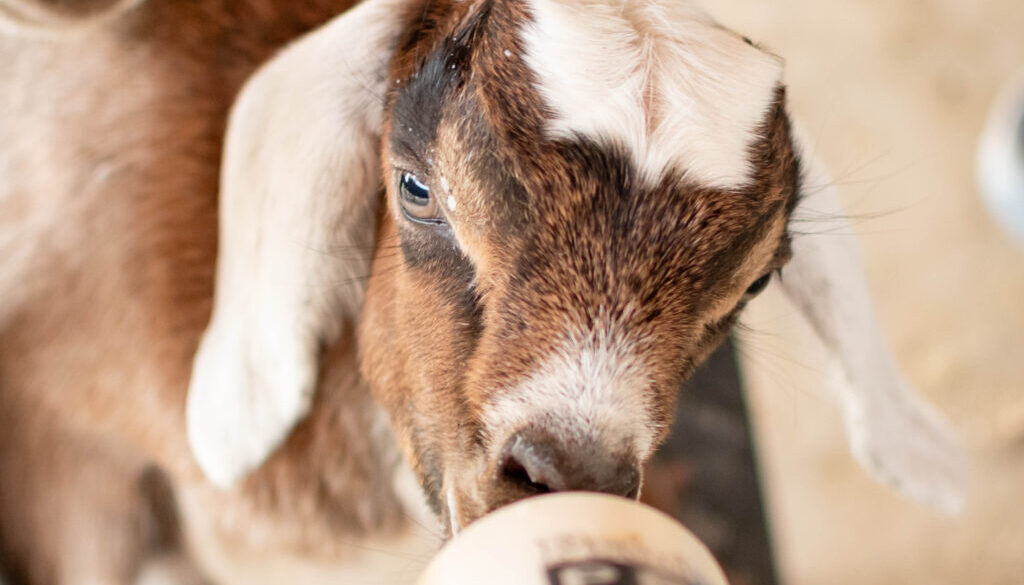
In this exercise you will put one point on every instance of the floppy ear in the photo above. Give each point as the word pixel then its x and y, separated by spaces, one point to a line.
pixel 898 438
pixel 299 188
pixel 58 15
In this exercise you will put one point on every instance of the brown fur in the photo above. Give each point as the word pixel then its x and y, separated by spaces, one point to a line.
pixel 544 234
pixel 111 141
pixel 111 164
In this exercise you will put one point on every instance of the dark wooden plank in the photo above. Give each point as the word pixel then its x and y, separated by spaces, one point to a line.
pixel 706 474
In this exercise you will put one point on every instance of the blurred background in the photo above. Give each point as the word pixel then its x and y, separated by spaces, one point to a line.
pixel 895 96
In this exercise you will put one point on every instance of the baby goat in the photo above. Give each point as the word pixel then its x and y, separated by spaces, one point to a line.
pixel 481 241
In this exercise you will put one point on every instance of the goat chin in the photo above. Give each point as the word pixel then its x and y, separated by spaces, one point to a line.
pixel 283 289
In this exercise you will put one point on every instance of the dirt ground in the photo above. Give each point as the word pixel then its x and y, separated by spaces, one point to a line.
pixel 895 94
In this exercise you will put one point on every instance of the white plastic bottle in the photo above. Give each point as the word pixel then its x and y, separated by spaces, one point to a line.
pixel 575 538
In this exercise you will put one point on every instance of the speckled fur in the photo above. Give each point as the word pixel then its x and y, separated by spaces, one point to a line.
pixel 549 238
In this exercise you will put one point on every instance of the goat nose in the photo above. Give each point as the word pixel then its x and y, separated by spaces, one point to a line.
pixel 533 462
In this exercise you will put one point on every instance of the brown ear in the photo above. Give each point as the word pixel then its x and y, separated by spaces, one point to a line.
pixel 55 16
pixel 299 188
pixel 892 433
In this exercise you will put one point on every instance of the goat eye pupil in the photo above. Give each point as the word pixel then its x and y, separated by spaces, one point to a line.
pixel 413 191
pixel 759 285
pixel 417 204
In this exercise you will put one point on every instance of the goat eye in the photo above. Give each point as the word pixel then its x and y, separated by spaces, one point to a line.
pixel 416 201
pixel 759 285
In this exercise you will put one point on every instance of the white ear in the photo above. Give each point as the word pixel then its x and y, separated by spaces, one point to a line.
pixel 892 433
pixel 299 188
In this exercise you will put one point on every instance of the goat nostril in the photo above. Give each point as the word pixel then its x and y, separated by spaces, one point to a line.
pixel 532 463
pixel 516 473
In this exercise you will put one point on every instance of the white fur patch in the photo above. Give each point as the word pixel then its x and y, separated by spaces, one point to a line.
pixel 660 77
pixel 453 511
pixel 597 390
pixel 33 18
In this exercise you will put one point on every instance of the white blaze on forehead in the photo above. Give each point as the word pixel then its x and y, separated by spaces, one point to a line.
pixel 588 391
pixel 658 76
